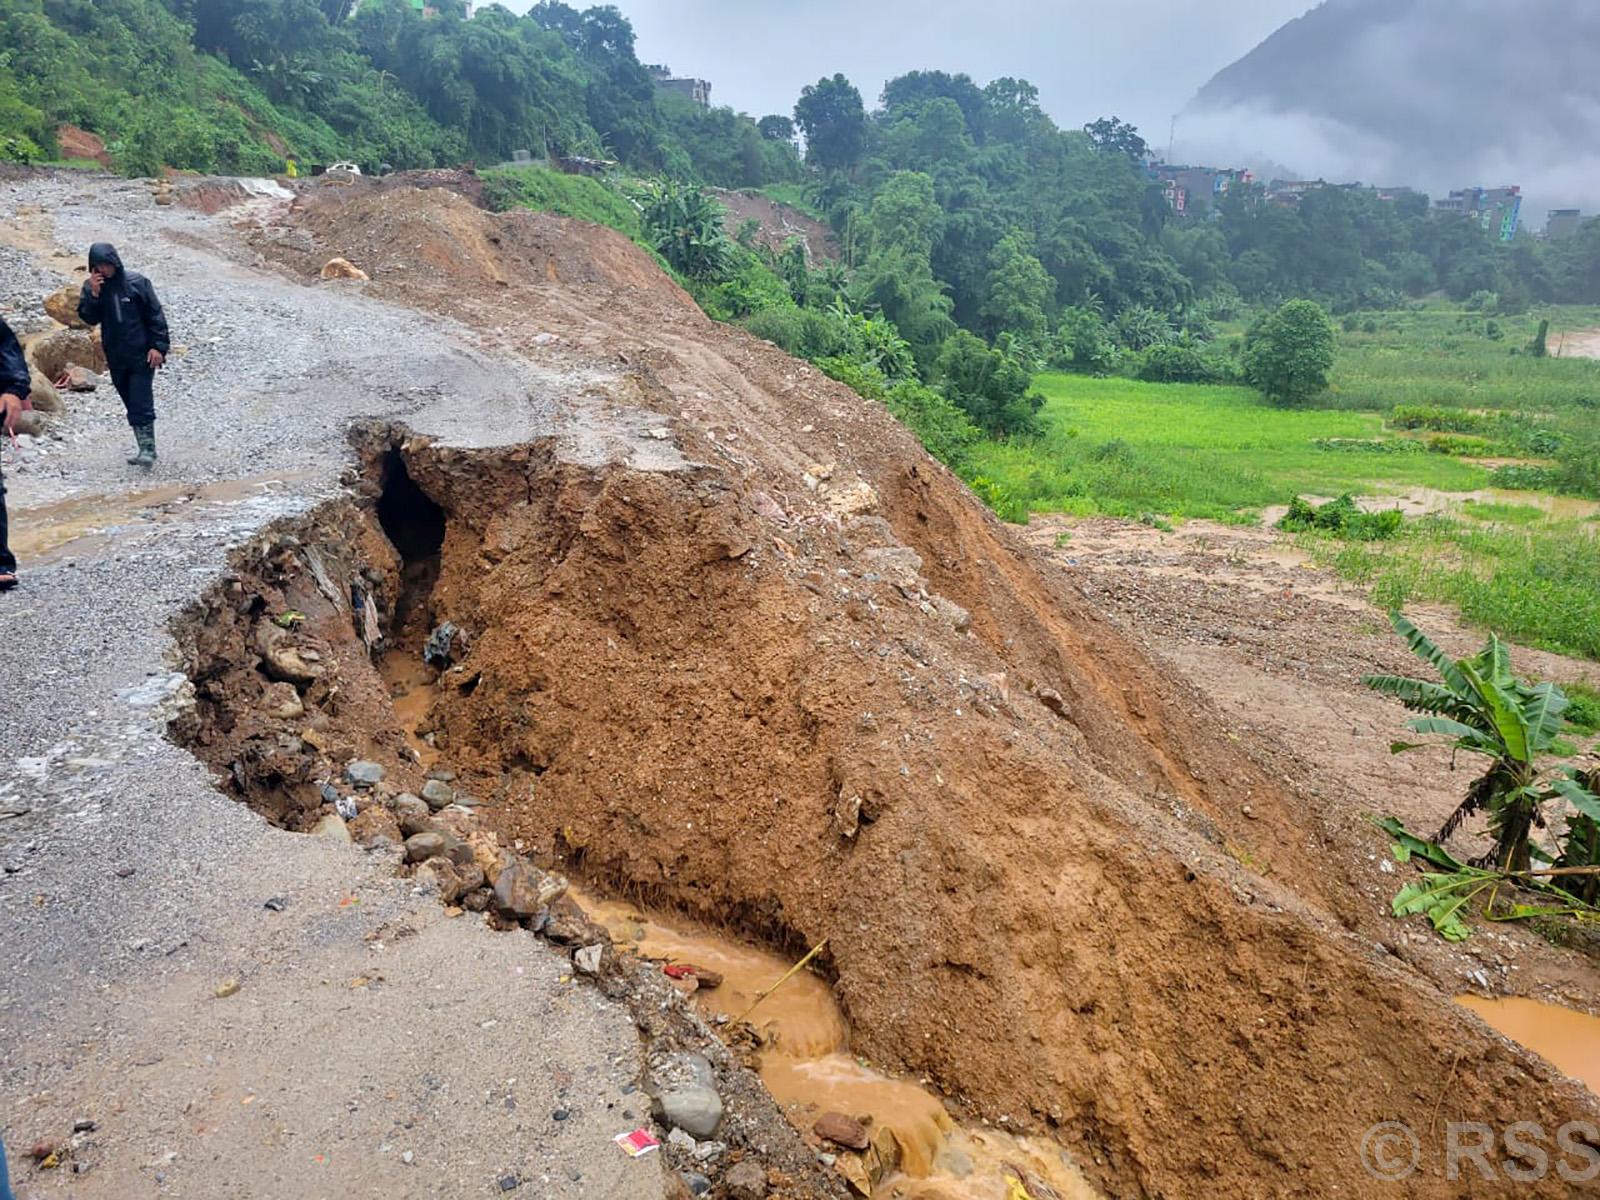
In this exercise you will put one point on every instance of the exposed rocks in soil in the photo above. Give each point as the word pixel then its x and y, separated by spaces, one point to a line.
pixel 1006 824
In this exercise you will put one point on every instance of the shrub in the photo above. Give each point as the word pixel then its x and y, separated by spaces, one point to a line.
pixel 1343 519
pixel 1289 353
pixel 1175 362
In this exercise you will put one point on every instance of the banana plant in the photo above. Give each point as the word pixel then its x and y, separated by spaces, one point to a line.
pixel 1482 708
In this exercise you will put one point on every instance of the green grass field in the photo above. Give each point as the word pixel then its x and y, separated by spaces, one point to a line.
pixel 1521 563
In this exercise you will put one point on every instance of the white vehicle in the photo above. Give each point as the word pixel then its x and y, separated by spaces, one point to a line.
pixel 343 168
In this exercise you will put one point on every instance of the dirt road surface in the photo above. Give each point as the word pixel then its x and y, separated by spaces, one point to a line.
pixel 372 1047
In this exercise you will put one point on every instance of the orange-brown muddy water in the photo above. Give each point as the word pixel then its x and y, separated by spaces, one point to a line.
pixel 1569 1040
pixel 807 1067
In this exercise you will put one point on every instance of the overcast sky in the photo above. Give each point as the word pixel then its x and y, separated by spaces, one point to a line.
pixel 1139 59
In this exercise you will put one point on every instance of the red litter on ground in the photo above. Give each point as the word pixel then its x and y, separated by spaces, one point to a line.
pixel 637 1143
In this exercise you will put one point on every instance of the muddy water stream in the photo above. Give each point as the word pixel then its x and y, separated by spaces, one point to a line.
pixel 807 1066
pixel 1568 1040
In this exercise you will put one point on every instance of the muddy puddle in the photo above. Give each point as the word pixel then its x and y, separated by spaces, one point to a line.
pixel 806 1065
pixel 83 522
pixel 1567 1039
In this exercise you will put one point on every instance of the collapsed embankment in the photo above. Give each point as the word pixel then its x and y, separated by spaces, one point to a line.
pixel 810 688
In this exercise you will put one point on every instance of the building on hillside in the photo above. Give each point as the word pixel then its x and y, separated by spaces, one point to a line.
pixel 1190 191
pixel 1562 223
pixel 696 90
pixel 1289 192
pixel 1498 210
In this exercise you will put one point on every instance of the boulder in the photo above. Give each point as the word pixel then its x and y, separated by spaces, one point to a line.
pixel 364 773
pixel 282 659
pixel 420 847
pixel 842 1130
pixel 343 268
pixel 588 958
pixel 53 353
pixel 694 1108
pixel 29 422
pixel 438 794
pixel 62 305
pixel 477 901
pixel 517 889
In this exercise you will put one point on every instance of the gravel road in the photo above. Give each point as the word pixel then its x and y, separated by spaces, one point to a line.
pixel 374 1046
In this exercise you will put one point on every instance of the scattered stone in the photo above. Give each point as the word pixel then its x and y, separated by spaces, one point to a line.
pixel 81 379
pixel 228 987
pixel 333 828
pixel 1054 701
pixel 560 1114
pixel 408 1158
pixel 509 1183
pixel 745 1181
pixel 29 423
pixel 125 872
pixel 83 1125
pixel 44 396
pixel 441 645
pixel 477 901
pixel 364 773
pixel 682 1141
pixel 420 847
pixel 276 903
pixel 408 805
pixel 588 958
pixel 842 1130
pixel 697 1184
pixel 343 268
pixel 438 794
pixel 443 774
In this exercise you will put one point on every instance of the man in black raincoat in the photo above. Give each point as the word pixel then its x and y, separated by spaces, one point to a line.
pixel 133 330
pixel 15 385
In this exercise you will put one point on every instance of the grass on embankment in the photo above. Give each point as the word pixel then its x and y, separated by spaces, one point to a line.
pixel 1125 448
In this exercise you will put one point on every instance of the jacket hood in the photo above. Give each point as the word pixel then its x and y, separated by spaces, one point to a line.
pixel 104 252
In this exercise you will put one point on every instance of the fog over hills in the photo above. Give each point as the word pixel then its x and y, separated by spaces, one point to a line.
pixel 1433 93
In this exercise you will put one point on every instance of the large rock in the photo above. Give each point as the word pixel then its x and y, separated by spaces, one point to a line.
pixel 283 701
pixel 51 354
pixel 364 773
pixel 441 874
pixel 420 847
pixel 516 890
pixel 694 1108
pixel 845 1131
pixel 81 379
pixel 282 659
pixel 333 828
pixel 343 268
pixel 375 824
pixel 31 422
pixel 438 794
pixel 62 305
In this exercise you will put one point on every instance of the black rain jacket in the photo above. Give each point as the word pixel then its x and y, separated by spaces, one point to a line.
pixel 14 377
pixel 130 317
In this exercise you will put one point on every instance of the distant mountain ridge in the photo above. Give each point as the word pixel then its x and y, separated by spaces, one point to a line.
pixel 1424 91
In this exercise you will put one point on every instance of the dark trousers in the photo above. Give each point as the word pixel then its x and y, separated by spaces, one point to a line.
pixel 8 561
pixel 136 386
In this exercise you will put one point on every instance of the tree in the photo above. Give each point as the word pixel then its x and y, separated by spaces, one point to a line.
pixel 834 121
pixel 1288 354
pixel 988 384
pixel 904 215
pixel 1018 294
pixel 1114 135
pixel 776 129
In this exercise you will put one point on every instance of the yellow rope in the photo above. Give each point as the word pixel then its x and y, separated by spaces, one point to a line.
pixel 790 974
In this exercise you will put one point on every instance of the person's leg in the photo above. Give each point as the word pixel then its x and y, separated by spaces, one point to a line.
pixel 8 579
pixel 141 404
pixel 5 1177
pixel 126 381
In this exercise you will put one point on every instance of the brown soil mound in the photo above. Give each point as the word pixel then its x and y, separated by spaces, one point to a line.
pixel 81 145
pixel 813 689
pixel 779 223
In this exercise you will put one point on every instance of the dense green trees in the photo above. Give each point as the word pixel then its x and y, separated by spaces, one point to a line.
pixel 1288 353
pixel 831 116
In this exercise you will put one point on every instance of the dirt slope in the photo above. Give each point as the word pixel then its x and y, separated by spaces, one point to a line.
pixel 809 687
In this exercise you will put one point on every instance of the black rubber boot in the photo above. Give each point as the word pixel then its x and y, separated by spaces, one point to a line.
pixel 138 446
pixel 146 435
